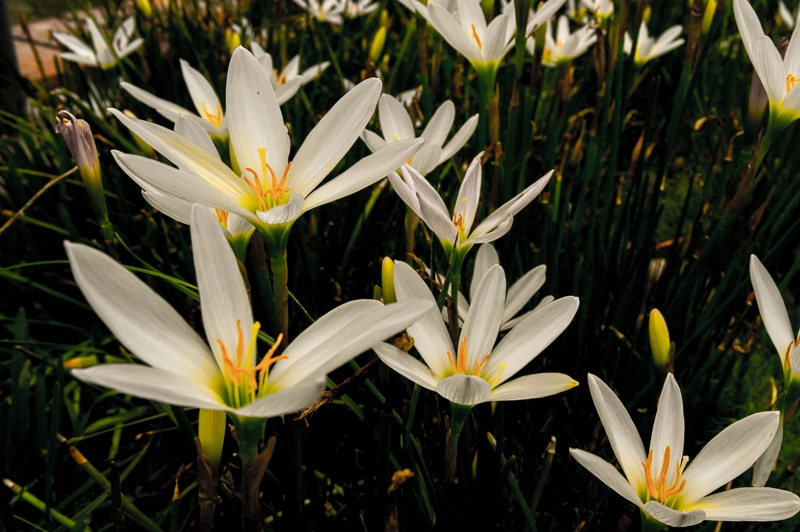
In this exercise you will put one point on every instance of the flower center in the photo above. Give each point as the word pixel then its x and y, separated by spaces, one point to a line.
pixel 215 117
pixel 241 371
pixel 280 77
pixel 459 365
pixel 657 488
pixel 790 81
pixel 789 349
pixel 272 193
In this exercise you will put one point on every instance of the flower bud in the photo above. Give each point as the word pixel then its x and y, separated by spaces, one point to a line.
pixel 387 281
pixel 376 48
pixel 145 7
pixel 660 345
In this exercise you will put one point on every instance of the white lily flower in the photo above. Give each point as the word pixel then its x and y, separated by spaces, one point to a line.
pixel 323 10
pixel 99 54
pixel 272 192
pixel 536 17
pixel 648 48
pixel 566 46
pixel 208 108
pixel 478 370
pixel 288 81
pixel 779 75
pixel 396 125
pixel 602 9
pixel 456 229
pixel 661 483
pixel 225 373
pixel 484 45
pixel 358 8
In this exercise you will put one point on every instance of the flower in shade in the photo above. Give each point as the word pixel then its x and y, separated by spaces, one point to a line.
pixel 226 372
pixel 648 48
pixel 517 295
pixel 477 370
pixel 788 18
pixel 324 10
pixel 664 484
pixel 100 54
pixel 271 192
pixel 778 74
pixel 396 125
pixel 566 45
pixel 454 228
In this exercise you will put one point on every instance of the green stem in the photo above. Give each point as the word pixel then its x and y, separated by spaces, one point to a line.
pixel 460 413
pixel 248 431
pixel 280 291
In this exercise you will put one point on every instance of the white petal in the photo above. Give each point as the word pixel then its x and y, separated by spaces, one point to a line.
pixel 203 95
pixel 427 158
pixel 621 432
pixel 254 116
pixel 168 110
pixel 283 214
pixel 768 65
pixel 530 337
pixel 729 454
pixel 671 517
pixel 176 208
pixel 373 141
pixel 495 41
pixel 607 473
pixel 431 338
pixel 533 387
pixel 668 428
pixel 365 172
pixel 439 124
pixel 333 136
pixel 395 122
pixel 406 365
pixel 140 319
pixel 154 384
pixel 469 194
pixel 293 399
pixel 486 258
pixel 771 307
pixel 749 25
pixel 224 302
pixel 188 128
pixel 451 30
pixel 483 321
pixel 750 504
pixel 464 389
pixel 359 331
pixel 435 219
pixel 522 291
pixel 543 14
pixel 766 462
pixel 459 139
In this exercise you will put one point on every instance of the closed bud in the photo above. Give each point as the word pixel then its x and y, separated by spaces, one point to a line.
pixel 387 281
pixel 376 48
pixel 660 345
pixel 145 7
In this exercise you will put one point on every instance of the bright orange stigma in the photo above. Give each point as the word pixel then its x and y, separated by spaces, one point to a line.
pixel 216 117
pixel 458 221
pixel 790 81
pixel 276 189
pixel 475 36
pixel 241 369
pixel 657 488
pixel 459 365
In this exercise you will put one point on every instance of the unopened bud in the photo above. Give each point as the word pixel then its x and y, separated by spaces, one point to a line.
pixel 387 281
pixel 145 7
pixel 376 48
pixel 660 345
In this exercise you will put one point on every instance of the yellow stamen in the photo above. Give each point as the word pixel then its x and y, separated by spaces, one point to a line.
pixel 459 365
pixel 241 368
pixel 216 117
pixel 658 489
pixel 222 216
pixel 790 81
pixel 477 39
pixel 280 77
pixel 277 188
pixel 458 221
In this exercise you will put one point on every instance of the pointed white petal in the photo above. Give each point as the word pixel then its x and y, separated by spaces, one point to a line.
pixel 607 473
pixel 365 172
pixel 543 14
pixel 395 122
pixel 254 116
pixel 407 366
pixel 749 25
pixel 486 258
pixel 427 158
pixel 373 141
pixel 431 338
pixel 533 387
pixel 729 454
pixel 155 384
pixel 293 399
pixel 750 504
pixel 464 389
pixel 671 517
pixel 668 428
pixel 168 110
pixel 471 14
pixel 522 291
pixel 439 124
pixel 203 95
pixel 451 30
pixel 469 194
pixel 771 307
pixel 483 321
pixel 766 462
pixel 621 432
pixel 530 337
pixel 140 319
pixel 176 208
pixel 333 136
pixel 224 302
pixel 436 220
pixel 283 214
pixel 495 41
pixel 768 64
pixel 192 130
pixel 459 139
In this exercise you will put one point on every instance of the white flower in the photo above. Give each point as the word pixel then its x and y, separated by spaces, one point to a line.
pixel 223 373
pixel 477 371
pixel 396 125
pixel 288 81
pixel 602 9
pixel 324 10
pixel 358 8
pixel 271 193
pixel 99 54
pixel 566 46
pixel 456 229
pixel 786 16
pixel 661 483
pixel 535 17
pixel 778 74
pixel 648 48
